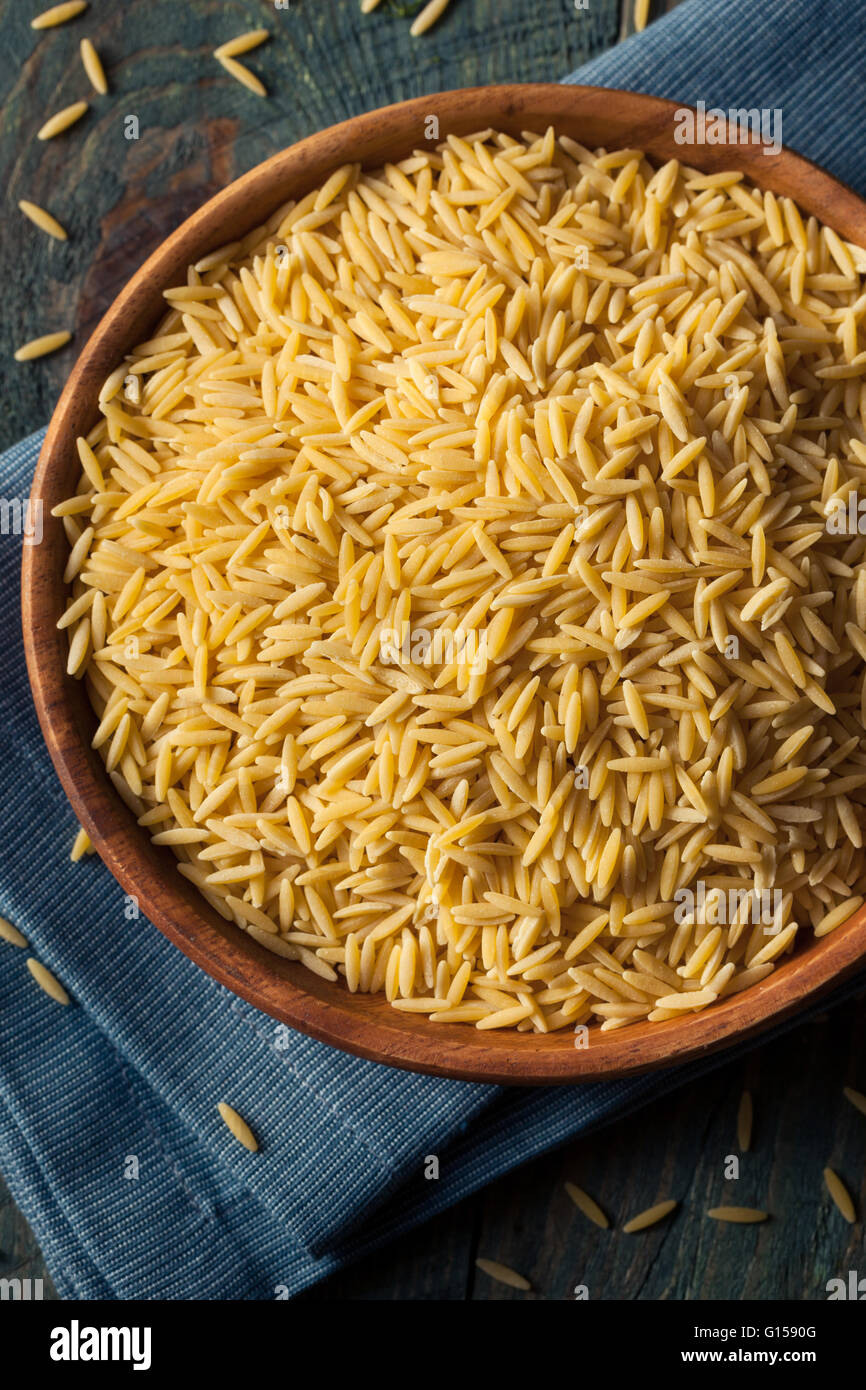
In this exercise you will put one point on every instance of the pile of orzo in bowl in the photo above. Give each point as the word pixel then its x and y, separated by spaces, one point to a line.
pixel 468 581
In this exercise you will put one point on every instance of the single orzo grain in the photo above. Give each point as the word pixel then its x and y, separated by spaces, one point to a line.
pixel 650 1217
pixel 46 981
pixel 11 934
pixel 61 120
pixel 238 1126
pixel 43 219
pixel 840 1194
pixel 58 14
pixel 504 1275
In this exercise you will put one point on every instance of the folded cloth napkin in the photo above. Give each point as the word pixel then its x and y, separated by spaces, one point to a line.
pixel 109 1133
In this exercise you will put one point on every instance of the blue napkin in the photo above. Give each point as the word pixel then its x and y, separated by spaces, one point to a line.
pixel 109 1134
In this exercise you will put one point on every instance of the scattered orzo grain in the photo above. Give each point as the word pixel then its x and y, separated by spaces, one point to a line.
pixel 58 14
pixel 574 421
pixel 61 120
pixel 40 347
pixel 857 1098
pixel 585 1203
pixel 93 67
pixel 840 1194
pixel 46 981
pixel 743 1216
pixel 650 1217
pixel 81 845
pixel 43 219
pixel 428 17
pixel 243 43
pixel 11 934
pixel 744 1121
pixel 641 15
pixel 242 74
pixel 504 1275
pixel 238 1126
pixel 367 6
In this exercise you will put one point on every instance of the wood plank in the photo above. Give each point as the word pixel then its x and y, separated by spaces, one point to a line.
pixel 20 1256
pixel 433 1263
pixel 678 1147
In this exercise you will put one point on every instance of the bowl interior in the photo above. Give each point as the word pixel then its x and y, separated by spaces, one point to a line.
pixel 366 1025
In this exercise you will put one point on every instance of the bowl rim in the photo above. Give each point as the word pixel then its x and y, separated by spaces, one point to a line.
pixel 364 1026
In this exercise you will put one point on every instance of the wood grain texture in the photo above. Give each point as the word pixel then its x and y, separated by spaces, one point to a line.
pixel 683 1142
pixel 20 1256
pixel 199 129
pixel 365 1025
pixel 674 1147
pixel 434 1263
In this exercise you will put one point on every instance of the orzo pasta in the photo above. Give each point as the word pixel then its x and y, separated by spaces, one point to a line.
pixel 457 578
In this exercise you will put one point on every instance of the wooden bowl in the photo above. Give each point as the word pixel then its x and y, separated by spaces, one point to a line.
pixel 357 1023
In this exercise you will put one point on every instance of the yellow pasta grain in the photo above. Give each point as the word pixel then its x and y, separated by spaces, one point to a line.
pixel 62 120
pixel 40 347
pixel 650 1217
pixel 428 17
pixel 11 934
pixel 43 220
pixel 857 1098
pixel 838 915
pixel 243 43
pixel 80 846
pixel 744 1216
pixel 840 1194
pixel 243 75
pixel 585 1203
pixel 93 67
pixel 46 981
pixel 58 14
pixel 503 1274
pixel 238 1126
